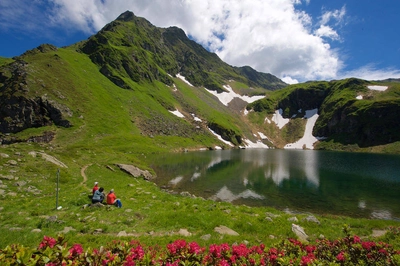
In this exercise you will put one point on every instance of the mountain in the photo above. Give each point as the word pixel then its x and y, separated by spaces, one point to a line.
pixel 133 88
pixel 131 47
pixel 352 112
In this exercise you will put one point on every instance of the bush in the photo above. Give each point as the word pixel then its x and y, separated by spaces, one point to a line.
pixel 350 250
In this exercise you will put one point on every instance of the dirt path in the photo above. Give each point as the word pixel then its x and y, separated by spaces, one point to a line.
pixel 83 183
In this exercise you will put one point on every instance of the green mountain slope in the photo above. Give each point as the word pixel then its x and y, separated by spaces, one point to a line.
pixel 131 47
pixel 349 113
pixel 119 89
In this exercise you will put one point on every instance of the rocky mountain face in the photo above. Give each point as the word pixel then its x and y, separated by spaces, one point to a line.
pixel 349 112
pixel 19 112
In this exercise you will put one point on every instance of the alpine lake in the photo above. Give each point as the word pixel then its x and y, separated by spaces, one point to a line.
pixel 300 181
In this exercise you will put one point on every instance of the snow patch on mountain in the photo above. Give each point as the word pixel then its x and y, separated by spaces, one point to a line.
pixel 177 113
pixel 377 87
pixel 184 79
pixel 308 139
pixel 226 97
pixel 279 120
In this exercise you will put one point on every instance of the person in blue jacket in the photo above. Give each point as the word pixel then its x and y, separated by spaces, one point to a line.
pixel 98 196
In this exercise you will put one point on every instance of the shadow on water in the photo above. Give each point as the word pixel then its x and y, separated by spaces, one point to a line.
pixel 351 184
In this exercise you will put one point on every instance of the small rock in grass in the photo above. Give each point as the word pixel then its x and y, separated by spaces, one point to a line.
pixel 311 218
pixel 122 233
pixel 67 229
pixel 299 231
pixel 206 237
pixel 184 232
pixel 223 230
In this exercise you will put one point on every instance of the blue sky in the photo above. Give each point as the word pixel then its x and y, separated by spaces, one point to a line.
pixel 296 40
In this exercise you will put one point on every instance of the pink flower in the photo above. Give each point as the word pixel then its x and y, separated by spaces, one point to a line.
pixel 368 245
pixel 225 247
pixel 172 249
pixel 341 257
pixel 47 242
pixel 273 251
pixel 177 246
pixel 295 242
pixel 194 248
pixel 215 250
pixel 272 258
pixel 223 263
pixel 310 249
pixel 135 254
pixel 240 250
pixel 75 250
pixel 383 251
pixel 356 239
pixel 305 260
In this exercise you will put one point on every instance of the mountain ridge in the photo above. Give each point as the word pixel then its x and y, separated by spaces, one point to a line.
pixel 162 71
pixel 166 50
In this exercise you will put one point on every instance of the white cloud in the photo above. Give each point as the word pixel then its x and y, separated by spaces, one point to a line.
pixel 19 15
pixel 337 16
pixel 289 80
pixel 326 31
pixel 272 36
pixel 370 72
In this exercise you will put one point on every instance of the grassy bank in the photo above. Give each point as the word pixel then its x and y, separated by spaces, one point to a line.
pixel 149 214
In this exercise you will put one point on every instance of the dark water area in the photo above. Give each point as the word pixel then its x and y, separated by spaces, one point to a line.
pixel 320 182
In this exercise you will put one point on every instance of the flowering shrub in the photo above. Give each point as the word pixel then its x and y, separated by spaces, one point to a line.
pixel 350 250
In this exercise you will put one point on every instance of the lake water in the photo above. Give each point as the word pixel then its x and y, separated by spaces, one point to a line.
pixel 338 183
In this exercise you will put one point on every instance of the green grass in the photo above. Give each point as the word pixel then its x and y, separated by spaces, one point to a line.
pixel 5 60
pixel 112 125
pixel 149 214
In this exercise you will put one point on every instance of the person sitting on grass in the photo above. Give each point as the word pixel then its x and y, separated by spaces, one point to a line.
pixel 98 196
pixel 112 199
pixel 96 187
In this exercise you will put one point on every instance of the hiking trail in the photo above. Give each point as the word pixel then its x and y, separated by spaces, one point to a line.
pixel 83 183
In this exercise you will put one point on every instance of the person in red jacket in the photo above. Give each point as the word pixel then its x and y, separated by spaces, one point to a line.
pixel 96 187
pixel 112 199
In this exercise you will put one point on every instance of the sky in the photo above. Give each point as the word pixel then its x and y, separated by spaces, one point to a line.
pixel 295 40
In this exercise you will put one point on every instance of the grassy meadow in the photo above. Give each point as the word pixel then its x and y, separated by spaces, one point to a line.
pixel 149 214
pixel 113 126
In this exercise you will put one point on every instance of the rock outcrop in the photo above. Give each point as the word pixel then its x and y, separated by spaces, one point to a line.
pixel 19 110
pixel 135 172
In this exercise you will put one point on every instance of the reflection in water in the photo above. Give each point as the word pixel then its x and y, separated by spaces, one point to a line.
pixel 361 185
pixel 311 167
pixel 195 176
pixel 224 194
pixel 279 170
pixel 176 180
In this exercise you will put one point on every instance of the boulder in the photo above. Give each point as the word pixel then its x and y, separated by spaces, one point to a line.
pixel 312 218
pixel 184 232
pixel 135 172
pixel 67 229
pixel 206 237
pixel 122 233
pixel 299 231
pixel 223 230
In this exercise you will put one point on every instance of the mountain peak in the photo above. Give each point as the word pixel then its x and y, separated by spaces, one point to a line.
pixel 126 16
